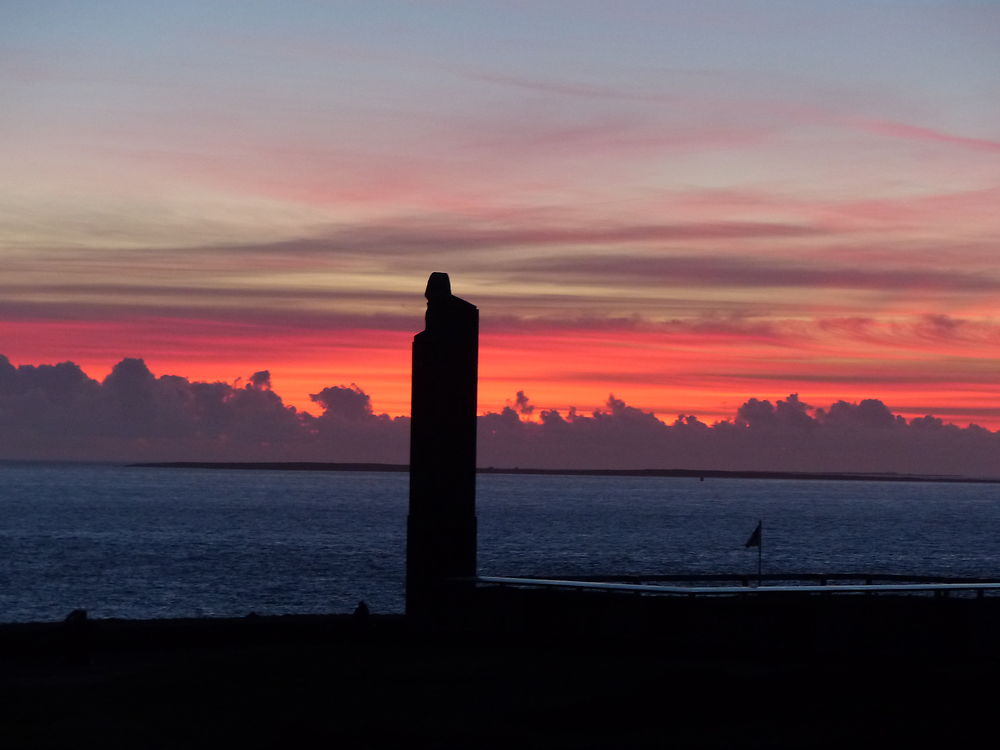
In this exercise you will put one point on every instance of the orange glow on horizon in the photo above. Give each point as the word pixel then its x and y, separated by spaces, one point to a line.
pixel 667 372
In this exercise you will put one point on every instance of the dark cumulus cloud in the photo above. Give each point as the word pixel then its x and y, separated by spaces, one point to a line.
pixel 787 435
pixel 58 412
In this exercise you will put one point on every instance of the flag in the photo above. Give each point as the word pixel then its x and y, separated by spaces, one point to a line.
pixel 754 540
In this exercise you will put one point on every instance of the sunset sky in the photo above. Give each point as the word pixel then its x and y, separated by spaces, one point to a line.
pixel 685 204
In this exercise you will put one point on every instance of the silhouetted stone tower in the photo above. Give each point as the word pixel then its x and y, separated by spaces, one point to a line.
pixel 441 527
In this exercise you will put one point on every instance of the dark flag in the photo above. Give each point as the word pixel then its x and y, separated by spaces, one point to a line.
pixel 754 540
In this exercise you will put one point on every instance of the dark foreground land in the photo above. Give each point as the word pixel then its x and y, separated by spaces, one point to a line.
pixel 888 673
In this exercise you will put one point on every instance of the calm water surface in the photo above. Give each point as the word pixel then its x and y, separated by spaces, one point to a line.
pixel 131 542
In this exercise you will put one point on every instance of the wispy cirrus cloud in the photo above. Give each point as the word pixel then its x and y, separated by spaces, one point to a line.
pixel 915 132
pixel 565 87
pixel 728 271
pixel 252 321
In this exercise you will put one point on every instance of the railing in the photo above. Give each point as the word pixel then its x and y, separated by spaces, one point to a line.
pixel 746 579
pixel 938 587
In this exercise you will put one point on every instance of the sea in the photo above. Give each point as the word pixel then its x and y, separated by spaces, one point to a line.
pixel 130 542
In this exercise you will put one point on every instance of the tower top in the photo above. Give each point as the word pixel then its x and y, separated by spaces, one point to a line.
pixel 438 286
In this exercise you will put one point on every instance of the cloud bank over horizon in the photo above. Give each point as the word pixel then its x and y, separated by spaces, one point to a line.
pixel 58 412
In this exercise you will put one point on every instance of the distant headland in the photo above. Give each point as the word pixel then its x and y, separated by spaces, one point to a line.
pixel 678 473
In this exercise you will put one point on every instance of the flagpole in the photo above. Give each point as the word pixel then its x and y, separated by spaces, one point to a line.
pixel 756 540
pixel 760 551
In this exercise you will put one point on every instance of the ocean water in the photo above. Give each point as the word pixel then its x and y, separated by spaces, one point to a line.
pixel 145 543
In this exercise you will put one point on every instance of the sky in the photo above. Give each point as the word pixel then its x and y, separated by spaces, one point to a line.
pixel 684 204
